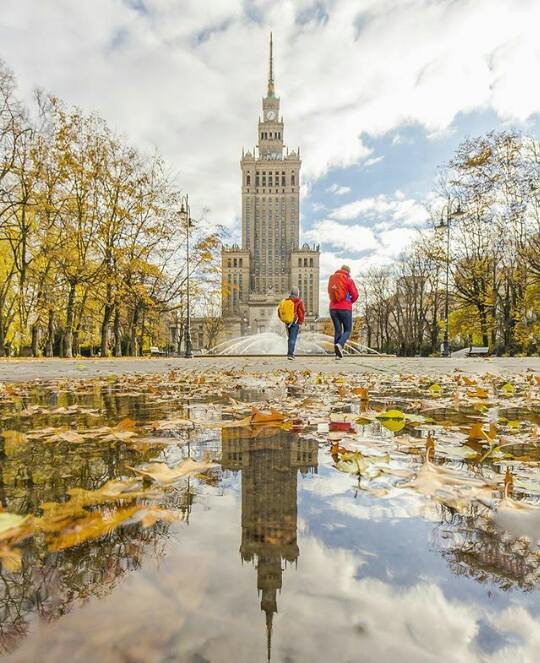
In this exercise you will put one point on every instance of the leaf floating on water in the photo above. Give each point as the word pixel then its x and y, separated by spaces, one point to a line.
pixel 449 487
pixel 478 433
pixel 67 436
pixel 362 392
pixel 151 515
pixel 435 390
pixel 10 524
pixel 479 392
pixel 125 424
pixel 257 418
pixel 392 420
pixel 10 558
pixel 520 519
pixel 93 526
pixel 162 473
pixel 354 462
pixel 508 389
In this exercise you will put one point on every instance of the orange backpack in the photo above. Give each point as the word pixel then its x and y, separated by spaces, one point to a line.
pixel 337 287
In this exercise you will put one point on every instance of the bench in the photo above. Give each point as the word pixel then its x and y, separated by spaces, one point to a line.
pixel 478 351
pixel 155 351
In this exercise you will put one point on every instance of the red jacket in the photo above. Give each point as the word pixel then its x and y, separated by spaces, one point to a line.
pixel 352 294
pixel 299 310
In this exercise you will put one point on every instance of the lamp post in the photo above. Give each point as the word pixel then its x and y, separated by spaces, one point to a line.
pixel 185 216
pixel 450 214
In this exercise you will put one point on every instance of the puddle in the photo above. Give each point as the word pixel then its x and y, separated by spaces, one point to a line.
pixel 321 526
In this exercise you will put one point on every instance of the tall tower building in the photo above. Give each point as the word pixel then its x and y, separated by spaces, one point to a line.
pixel 257 275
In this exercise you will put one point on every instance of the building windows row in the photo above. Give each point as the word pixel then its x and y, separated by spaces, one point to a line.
pixel 271 135
pixel 271 178
pixel 305 262
pixel 235 262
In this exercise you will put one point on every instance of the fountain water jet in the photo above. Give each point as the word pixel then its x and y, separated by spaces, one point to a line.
pixel 274 343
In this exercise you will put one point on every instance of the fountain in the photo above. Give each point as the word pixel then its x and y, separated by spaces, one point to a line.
pixel 275 343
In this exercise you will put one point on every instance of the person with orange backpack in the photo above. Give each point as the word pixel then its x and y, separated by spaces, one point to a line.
pixel 291 312
pixel 342 293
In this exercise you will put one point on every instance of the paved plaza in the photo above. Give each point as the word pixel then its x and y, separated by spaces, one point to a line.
pixel 22 370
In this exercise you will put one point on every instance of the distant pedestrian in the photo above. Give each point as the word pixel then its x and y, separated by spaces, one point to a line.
pixel 291 312
pixel 342 293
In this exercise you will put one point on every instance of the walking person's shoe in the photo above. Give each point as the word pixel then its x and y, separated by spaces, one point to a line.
pixel 339 351
pixel 290 357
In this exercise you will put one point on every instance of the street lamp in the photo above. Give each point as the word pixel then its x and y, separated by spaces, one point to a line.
pixel 186 218
pixel 450 214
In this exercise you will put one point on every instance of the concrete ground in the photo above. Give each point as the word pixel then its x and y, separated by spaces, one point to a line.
pixel 22 370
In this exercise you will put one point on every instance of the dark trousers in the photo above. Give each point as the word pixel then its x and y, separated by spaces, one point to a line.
pixel 342 320
pixel 292 333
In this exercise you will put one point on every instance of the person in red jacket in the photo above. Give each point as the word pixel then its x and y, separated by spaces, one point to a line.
pixel 342 293
pixel 294 327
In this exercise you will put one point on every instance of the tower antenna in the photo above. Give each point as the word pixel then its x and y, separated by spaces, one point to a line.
pixel 271 71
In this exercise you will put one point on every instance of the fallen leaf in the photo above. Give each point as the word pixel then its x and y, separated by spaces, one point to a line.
pixel 93 526
pixel 10 558
pixel 362 392
pixel 435 390
pixel 10 523
pixel 162 473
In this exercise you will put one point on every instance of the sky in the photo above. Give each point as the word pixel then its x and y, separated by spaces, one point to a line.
pixel 376 93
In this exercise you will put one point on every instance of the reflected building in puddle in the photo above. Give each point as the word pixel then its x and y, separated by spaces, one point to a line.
pixel 269 460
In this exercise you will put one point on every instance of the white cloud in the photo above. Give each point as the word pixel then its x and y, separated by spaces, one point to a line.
pixel 386 210
pixel 187 77
pixel 372 161
pixel 338 190
pixel 353 238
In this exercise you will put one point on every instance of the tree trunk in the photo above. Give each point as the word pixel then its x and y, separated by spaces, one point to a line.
pixel 483 325
pixel 105 323
pixel 116 332
pixel 70 313
pixel 133 332
pixel 2 337
pixel 141 335
pixel 35 340
pixel 76 342
pixel 49 344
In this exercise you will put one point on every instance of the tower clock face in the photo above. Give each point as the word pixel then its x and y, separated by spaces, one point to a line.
pixel 270 115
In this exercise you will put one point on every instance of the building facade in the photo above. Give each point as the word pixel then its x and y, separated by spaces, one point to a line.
pixel 270 260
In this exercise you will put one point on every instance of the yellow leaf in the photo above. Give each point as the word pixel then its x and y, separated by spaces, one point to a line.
pixel 93 526
pixel 392 420
pixel 435 390
pixel 10 558
pixel 479 392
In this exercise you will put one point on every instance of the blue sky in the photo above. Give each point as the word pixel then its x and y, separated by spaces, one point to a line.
pixel 377 94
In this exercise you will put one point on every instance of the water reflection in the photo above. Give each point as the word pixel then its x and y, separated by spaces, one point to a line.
pixel 364 554
pixel 269 463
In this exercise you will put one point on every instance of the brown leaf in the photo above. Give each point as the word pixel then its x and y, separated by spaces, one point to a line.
pixel 362 392
pixel 125 424
pixel 93 526
pixel 162 473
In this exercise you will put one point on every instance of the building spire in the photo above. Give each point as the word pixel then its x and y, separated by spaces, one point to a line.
pixel 271 71
pixel 269 616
